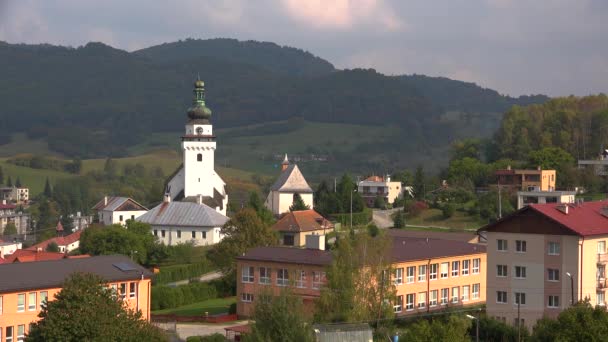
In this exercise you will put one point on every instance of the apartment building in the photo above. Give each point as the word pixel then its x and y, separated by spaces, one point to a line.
pixel 10 214
pixel 15 194
pixel 527 180
pixel 296 225
pixel 543 257
pixel 25 286
pixel 374 186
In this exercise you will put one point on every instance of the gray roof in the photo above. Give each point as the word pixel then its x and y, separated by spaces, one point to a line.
pixel 183 214
pixel 291 180
pixel 115 203
pixel 290 255
pixel 48 274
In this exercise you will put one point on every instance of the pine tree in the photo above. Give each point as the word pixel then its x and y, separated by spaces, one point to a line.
pixel 419 182
pixel 1 176
pixel 9 182
pixel 47 189
pixel 18 182
pixel 298 203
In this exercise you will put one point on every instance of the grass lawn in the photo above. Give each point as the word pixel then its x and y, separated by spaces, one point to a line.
pixel 32 178
pixel 212 306
pixel 434 218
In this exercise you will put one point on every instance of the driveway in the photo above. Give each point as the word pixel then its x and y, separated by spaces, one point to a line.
pixel 382 218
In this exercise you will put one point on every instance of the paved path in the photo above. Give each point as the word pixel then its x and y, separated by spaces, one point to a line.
pixel 204 278
pixel 185 330
pixel 382 218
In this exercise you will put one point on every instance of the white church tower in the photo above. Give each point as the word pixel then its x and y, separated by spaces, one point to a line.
pixel 197 180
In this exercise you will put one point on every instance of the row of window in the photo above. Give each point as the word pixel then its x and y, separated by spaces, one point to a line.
pixel 12 335
pixel 520 272
pixel 520 298
pixel 443 269
pixel 454 295
pixel 123 289
pixel 179 234
pixel 132 218
pixel 32 303
pixel 521 246
pixel 282 277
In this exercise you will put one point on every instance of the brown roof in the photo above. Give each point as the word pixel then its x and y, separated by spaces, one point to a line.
pixel 410 249
pixel 447 235
pixel 289 255
pixel 302 221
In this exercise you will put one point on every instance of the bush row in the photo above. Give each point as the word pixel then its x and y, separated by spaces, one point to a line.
pixel 360 218
pixel 164 297
pixel 172 273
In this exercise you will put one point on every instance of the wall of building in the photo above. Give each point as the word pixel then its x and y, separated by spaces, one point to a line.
pixel 279 202
pixel 197 174
pixel 588 277
pixel 203 235
pixel 299 238
pixel 114 217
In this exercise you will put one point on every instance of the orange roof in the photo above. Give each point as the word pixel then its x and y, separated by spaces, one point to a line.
pixel 374 179
pixel 25 255
pixel 302 221
pixel 60 241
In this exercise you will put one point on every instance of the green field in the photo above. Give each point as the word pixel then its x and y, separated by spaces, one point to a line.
pixel 212 306
pixel 32 178
pixel 434 218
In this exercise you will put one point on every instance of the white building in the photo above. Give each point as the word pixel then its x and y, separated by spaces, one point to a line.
pixel 10 214
pixel 15 194
pixel 117 210
pixel 541 197
pixel 375 186
pixel 197 176
pixel 282 192
pixel 8 248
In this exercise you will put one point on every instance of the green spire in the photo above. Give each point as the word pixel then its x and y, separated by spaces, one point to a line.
pixel 199 111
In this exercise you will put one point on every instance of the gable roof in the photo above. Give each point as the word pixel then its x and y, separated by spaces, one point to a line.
pixel 29 255
pixel 289 255
pixel 291 180
pixel 60 241
pixel 118 204
pixel 183 214
pixel 302 221
pixel 49 274
pixel 583 219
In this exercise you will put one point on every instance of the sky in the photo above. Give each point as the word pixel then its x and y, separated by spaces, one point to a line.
pixel 517 47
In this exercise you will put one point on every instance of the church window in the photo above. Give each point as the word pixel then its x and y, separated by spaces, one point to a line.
pixel 193 234
pixel 199 157
pixel 179 234
pixel 204 235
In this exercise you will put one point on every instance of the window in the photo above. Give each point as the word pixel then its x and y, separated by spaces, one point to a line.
pixel 422 273
pixel 155 232
pixel 398 276
pixel 247 297
pixel 465 267
pixel 444 296
pixel 600 298
pixel 31 301
pixel 455 294
pixel 554 248
pixel 193 234
pixel 410 274
pixel 132 290
pixel 43 298
pixel 444 269
pixel 282 277
pixel 465 293
pixel 552 274
pixel 501 270
pixel 421 300
pixel 301 279
pixel 204 235
pixel 501 245
pixel 120 218
pixel 123 290
pixel 179 234
pixel 433 272
pixel 476 288
pixel 264 275
pixel 317 279
pixel 553 302
pixel 199 157
pixel 520 246
pixel 433 298
pixel 601 271
pixel 21 333
pixel 520 298
pixel 476 263
pixel 133 217
pixel 247 274
pixel 455 268
pixel 409 301
pixel 398 304
pixel 9 334
pixel 21 302
pixel 114 288
pixel 520 272
pixel 601 247
pixel 162 233
pixel 501 297
pixel 288 240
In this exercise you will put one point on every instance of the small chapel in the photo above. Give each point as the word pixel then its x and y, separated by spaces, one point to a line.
pixel 291 181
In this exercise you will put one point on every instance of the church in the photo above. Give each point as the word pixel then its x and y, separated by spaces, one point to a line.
pixel 291 181
pixel 195 200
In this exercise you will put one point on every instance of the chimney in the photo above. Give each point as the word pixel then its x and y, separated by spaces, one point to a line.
pixel 388 178
pixel 3 201
pixel 105 200
pixel 167 198
pixel 315 241
pixel 563 208
pixel 199 199
pixel 538 168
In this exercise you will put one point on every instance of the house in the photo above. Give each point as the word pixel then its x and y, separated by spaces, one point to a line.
pixel 9 214
pixel 543 257
pixel 599 165
pixel 541 197
pixel 526 180
pixel 24 287
pixel 13 194
pixel 291 182
pixel 296 225
pixel 181 222
pixel 80 221
pixel 66 244
pixel 8 248
pixel 117 210
pixel 29 255
pixel 376 186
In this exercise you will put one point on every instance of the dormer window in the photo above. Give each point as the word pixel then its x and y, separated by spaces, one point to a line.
pixel 199 130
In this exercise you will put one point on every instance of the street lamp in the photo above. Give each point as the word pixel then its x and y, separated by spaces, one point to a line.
pixel 571 287
pixel 477 326
pixel 351 208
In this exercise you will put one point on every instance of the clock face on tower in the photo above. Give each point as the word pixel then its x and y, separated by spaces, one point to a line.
pixel 199 130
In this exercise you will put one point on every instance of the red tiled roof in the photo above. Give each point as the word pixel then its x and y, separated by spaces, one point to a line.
pixel 588 218
pixel 3 261
pixel 26 255
pixel 302 221
pixel 374 179
pixel 60 241
pixel 7 206
pixel 59 227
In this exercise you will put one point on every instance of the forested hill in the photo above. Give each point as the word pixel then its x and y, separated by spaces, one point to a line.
pixel 96 100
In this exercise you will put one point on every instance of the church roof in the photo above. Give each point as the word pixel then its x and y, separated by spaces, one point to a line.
pixel 183 214
pixel 291 180
pixel 118 204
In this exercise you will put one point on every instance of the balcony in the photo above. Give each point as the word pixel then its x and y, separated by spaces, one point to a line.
pixel 602 259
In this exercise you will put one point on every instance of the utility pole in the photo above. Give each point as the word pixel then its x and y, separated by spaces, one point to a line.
pixel 351 209
pixel 499 203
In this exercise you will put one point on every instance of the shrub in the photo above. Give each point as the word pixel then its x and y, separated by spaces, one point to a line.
pixel 448 210
pixel 232 309
pixel 173 273
pixel 416 208
pixel 164 297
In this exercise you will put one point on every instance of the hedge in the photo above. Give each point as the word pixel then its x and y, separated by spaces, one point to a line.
pixel 172 273
pixel 360 218
pixel 165 297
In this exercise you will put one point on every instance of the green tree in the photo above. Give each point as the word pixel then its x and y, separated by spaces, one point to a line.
pixel 298 203
pixel 47 215
pixel 466 148
pixel 489 206
pixel 453 328
pixel 110 168
pixel 18 182
pixel 398 219
pixel 581 322
pixel 379 202
pixel 10 229
pixel 447 210
pixel 256 203
pixel 67 223
pixel 1 176
pixel 52 247
pixel 493 330
pixel 279 318
pixel 47 189
pixel 347 190
pixel 9 182
pixel 84 310
pixel 419 183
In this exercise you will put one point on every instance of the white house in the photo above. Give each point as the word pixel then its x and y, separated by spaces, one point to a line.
pixel 376 186
pixel 8 248
pixel 66 244
pixel 291 181
pixel 117 210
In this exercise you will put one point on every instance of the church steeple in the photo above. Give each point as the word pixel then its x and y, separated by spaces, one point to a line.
pixel 199 110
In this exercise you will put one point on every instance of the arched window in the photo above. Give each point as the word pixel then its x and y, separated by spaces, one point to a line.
pixel 199 157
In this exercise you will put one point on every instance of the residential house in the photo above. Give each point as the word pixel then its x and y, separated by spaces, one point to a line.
pixel 117 210
pixel 541 197
pixel 376 186
pixel 296 225
pixel 9 214
pixel 28 255
pixel 526 180
pixel 66 244
pixel 180 222
pixel 291 181
pixel 447 235
pixel 543 257
pixel 13 194
pixel 8 248
pixel 24 287
pixel 599 165
pixel 80 221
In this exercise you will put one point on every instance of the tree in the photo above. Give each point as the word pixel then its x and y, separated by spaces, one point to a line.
pixel 447 210
pixel 581 322
pixel 419 183
pixel 47 188
pixel 10 229
pixel 110 168
pixel 85 310
pixel 52 247
pixel 9 182
pixel 379 202
pixel 279 318
pixel 347 191
pixel 1 176
pixel 67 223
pixel 454 328
pixel 398 219
pixel 467 148
pixel 489 206
pixel 75 166
pixel 298 203
pixel 18 182
pixel 255 202
pixel 491 329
